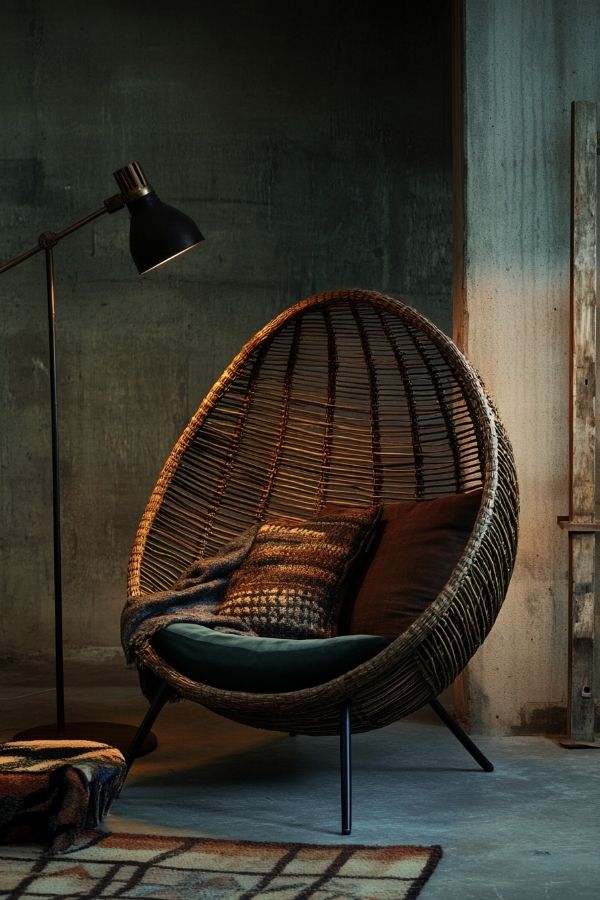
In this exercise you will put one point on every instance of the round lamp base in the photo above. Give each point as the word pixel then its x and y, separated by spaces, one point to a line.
pixel 115 734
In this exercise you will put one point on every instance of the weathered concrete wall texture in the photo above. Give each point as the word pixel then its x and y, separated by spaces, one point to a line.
pixel 525 63
pixel 311 142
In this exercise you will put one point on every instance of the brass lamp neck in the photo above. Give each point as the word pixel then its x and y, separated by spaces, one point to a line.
pixel 132 182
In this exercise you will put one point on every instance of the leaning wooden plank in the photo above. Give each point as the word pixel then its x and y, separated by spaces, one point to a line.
pixel 582 414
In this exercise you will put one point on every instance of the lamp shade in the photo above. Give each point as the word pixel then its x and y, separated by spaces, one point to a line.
pixel 158 232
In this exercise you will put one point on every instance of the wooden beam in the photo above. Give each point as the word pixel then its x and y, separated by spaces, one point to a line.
pixel 584 198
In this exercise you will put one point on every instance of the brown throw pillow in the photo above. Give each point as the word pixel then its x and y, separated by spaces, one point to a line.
pixel 416 546
pixel 292 581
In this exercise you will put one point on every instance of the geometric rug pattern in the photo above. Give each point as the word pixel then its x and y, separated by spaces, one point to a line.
pixel 159 867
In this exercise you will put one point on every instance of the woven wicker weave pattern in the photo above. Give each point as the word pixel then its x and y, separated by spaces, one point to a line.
pixel 349 398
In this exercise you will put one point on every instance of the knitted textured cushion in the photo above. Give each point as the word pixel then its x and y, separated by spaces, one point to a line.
pixel 292 581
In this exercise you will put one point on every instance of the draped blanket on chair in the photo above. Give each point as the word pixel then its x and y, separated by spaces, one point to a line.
pixel 194 597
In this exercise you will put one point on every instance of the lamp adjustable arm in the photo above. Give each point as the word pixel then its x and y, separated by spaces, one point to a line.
pixel 49 238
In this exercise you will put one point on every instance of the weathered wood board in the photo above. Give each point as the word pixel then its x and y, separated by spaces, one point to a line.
pixel 582 455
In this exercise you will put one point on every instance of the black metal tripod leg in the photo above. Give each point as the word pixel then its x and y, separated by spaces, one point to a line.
pixel 346 766
pixel 160 698
pixel 464 738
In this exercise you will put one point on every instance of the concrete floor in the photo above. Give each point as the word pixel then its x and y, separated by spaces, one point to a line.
pixel 529 830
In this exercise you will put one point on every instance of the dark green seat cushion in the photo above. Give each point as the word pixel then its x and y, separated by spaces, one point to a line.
pixel 261 664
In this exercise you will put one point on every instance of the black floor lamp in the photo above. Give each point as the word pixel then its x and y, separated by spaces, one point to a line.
pixel 157 234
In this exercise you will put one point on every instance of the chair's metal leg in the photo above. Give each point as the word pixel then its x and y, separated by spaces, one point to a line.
pixel 160 698
pixel 464 738
pixel 346 766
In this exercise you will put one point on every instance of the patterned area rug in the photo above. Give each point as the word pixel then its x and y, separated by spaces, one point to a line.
pixel 157 867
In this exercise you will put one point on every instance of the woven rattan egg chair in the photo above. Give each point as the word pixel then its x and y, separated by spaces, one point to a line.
pixel 347 398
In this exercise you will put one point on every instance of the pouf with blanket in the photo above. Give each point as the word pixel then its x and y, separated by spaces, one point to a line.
pixel 51 791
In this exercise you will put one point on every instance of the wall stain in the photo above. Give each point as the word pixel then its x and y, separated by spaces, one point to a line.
pixel 549 719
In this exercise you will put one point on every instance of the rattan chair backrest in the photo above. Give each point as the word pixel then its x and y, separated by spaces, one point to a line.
pixel 348 398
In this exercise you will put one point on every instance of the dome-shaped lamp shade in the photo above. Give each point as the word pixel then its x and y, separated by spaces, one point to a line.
pixel 158 232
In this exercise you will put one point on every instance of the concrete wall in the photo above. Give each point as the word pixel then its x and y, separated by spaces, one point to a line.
pixel 311 142
pixel 525 63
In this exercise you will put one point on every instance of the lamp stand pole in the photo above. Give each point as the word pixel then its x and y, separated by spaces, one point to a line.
pixel 56 541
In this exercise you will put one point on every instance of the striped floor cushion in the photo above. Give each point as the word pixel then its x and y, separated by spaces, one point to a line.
pixel 51 791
